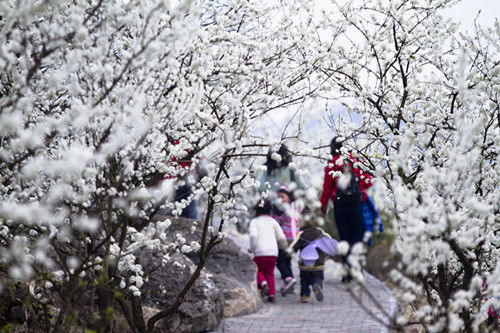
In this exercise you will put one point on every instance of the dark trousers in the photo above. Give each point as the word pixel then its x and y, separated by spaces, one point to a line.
pixel 183 193
pixel 308 279
pixel 265 272
pixel 284 264
pixel 349 220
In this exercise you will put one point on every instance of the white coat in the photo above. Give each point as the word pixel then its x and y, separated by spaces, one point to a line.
pixel 265 234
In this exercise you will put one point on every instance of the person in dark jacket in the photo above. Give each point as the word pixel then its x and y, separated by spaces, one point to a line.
pixel 185 184
pixel 312 267
pixel 348 215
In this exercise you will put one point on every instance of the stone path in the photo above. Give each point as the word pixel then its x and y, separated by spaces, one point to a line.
pixel 339 311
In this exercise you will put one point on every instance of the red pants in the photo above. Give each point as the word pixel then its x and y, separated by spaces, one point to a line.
pixel 265 272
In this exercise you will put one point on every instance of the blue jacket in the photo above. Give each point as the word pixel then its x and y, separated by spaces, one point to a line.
pixel 371 217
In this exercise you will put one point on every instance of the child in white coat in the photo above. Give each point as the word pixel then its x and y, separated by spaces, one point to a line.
pixel 265 234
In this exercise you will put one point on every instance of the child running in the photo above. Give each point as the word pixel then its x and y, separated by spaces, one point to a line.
pixel 287 214
pixel 265 234
pixel 314 245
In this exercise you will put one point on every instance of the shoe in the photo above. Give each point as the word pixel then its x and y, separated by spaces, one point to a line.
pixel 271 299
pixel 318 292
pixel 291 291
pixel 304 299
pixel 288 287
pixel 264 288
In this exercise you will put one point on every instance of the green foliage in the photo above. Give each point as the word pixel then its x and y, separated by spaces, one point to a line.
pixel 330 227
pixel 379 258
pixel 7 328
pixel 117 294
pixel 388 235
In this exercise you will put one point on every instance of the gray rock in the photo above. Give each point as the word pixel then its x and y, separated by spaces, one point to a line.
pixel 226 286
pixel 234 274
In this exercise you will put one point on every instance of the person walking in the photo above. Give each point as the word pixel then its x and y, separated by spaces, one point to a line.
pixel 287 212
pixel 185 177
pixel 345 184
pixel 314 245
pixel 265 234
pixel 184 189
pixel 279 173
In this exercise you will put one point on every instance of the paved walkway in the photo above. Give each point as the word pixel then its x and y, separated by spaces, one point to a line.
pixel 339 311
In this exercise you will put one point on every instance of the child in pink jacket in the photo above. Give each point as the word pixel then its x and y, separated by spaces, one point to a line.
pixel 287 213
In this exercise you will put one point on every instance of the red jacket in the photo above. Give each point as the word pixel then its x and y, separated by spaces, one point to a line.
pixel 330 181
pixel 180 164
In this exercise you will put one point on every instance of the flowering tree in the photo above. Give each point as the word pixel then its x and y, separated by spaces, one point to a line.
pixel 101 104
pixel 430 130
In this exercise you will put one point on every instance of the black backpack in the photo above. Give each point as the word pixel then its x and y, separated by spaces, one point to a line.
pixel 352 192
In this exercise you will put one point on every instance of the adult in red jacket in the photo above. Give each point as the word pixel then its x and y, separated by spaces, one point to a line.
pixel 348 213
pixel 184 186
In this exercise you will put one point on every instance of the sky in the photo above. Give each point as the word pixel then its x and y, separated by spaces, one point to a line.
pixel 467 10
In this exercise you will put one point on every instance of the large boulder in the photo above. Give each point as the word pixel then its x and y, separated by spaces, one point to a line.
pixel 234 274
pixel 226 286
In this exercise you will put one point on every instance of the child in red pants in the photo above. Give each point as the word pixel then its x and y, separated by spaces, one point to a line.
pixel 265 234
